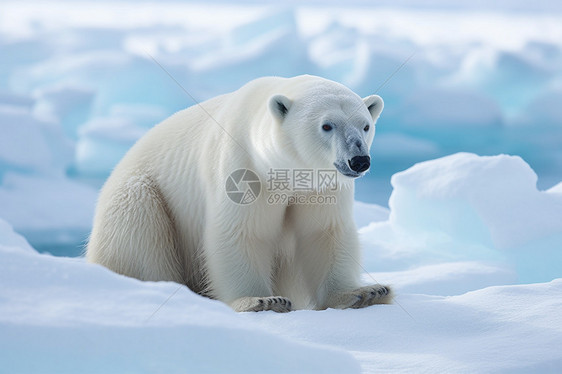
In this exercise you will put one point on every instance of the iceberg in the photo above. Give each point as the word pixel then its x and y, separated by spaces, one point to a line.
pixel 469 207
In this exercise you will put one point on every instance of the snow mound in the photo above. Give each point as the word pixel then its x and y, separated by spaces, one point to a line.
pixel 54 203
pixel 364 214
pixel 54 213
pixel 103 143
pixel 444 279
pixel 10 241
pixel 30 144
pixel 97 319
pixel 67 105
pixel 556 189
pixel 497 329
pixel 465 207
pixel 487 200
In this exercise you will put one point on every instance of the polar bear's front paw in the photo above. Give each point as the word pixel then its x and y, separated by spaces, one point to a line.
pixel 362 297
pixel 370 295
pixel 258 304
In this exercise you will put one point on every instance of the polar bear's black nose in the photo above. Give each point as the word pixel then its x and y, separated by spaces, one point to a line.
pixel 360 163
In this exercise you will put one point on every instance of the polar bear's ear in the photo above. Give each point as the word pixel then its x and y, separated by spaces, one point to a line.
pixel 375 104
pixel 279 106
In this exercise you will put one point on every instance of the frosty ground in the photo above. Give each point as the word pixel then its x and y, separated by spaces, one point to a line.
pixel 471 244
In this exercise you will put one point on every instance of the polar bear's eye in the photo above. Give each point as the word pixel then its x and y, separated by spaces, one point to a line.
pixel 367 128
pixel 327 127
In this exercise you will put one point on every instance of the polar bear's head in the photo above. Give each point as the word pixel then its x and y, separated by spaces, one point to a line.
pixel 326 125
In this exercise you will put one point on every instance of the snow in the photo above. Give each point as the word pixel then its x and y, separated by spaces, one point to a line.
pixel 468 232
pixel 447 278
pixel 466 207
pixel 11 241
pixel 53 213
pixel 364 213
pixel 497 329
pixel 556 189
pixel 98 321
pixel 32 202
pixel 103 142
pixel 446 244
pixel 70 316
pixel 464 186
pixel 30 144
pixel 70 106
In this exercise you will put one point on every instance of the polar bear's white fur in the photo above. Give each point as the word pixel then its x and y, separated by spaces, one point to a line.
pixel 164 215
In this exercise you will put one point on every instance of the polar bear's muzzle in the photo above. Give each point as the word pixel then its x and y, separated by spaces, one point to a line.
pixel 354 167
pixel 352 151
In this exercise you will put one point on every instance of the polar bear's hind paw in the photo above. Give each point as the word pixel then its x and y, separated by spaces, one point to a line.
pixel 277 304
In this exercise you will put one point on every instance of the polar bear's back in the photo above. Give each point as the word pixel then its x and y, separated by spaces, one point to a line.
pixel 181 157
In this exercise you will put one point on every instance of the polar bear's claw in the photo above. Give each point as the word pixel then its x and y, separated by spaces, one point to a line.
pixel 362 297
pixel 277 304
pixel 370 295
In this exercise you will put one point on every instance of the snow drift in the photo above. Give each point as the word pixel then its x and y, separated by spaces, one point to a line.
pixel 66 316
pixel 467 207
pixel 63 315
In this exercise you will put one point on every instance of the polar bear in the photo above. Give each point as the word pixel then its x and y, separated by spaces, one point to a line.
pixel 164 213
